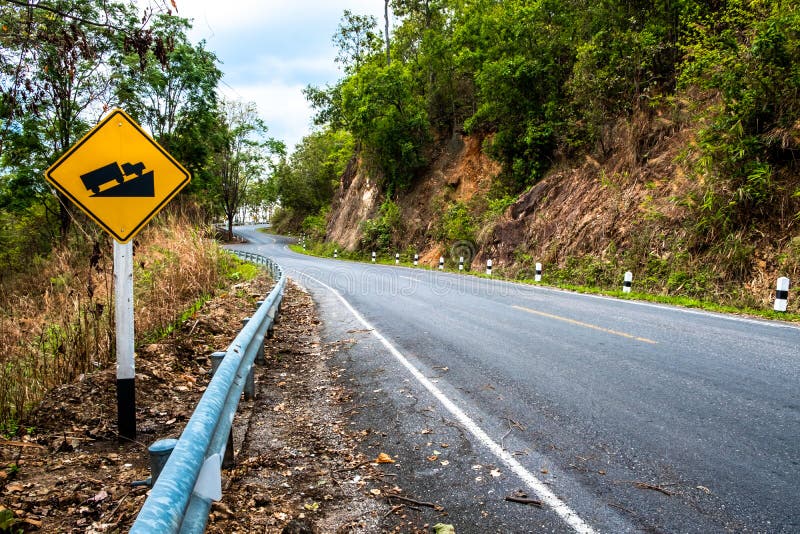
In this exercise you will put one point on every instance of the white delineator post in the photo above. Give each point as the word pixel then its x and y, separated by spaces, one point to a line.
pixel 781 294
pixel 489 267
pixel 336 253
pixel 537 277
pixel 461 263
pixel 416 259
pixel 373 257
pixel 628 282
pixel 123 317
pixel 397 258
pixel 441 263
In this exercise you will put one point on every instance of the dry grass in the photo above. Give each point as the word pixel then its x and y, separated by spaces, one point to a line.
pixel 56 320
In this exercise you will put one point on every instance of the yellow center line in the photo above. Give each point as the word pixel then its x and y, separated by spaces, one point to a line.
pixel 586 325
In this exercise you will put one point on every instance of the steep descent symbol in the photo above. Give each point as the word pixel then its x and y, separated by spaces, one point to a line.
pixel 140 185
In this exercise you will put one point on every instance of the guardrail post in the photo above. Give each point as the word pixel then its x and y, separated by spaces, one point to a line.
pixel 216 359
pixel 781 294
pixel 250 382
pixel 159 453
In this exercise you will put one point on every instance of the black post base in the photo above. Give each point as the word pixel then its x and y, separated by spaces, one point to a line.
pixel 126 408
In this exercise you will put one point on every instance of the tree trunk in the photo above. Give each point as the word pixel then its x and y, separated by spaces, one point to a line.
pixel 386 19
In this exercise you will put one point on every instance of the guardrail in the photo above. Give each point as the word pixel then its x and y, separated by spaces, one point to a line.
pixel 181 496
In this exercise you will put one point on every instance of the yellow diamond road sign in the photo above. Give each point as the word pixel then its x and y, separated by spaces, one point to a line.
pixel 118 175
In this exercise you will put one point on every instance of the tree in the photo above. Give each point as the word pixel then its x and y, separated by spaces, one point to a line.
pixel 305 183
pixel 356 40
pixel 389 119
pixel 161 91
pixel 67 71
pixel 241 155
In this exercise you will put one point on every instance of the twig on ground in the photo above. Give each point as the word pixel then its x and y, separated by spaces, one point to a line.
pixel 644 485
pixel 524 500
pixel 412 501
pixel 393 510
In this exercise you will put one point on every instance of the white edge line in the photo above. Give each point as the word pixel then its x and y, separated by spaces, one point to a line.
pixel 542 491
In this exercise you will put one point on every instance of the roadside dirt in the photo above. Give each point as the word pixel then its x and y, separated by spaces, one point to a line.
pixel 298 469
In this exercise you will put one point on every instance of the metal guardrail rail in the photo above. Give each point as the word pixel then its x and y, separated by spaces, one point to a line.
pixel 178 501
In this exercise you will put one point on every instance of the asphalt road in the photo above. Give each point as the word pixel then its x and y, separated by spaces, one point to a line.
pixel 622 416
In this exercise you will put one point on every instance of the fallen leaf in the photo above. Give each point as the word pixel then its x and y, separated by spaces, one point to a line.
pixel 705 489
pixel 279 407
pixel 495 472
pixel 101 495
pixel 445 462
pixel 433 458
pixel 441 528
pixel 384 458
pixel 375 491
pixel 312 507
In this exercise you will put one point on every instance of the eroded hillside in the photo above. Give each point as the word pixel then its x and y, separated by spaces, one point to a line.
pixel 640 208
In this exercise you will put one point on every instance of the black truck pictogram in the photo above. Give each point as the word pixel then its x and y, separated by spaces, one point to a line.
pixel 112 172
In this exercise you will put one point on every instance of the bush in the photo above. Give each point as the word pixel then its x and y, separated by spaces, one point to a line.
pixel 383 232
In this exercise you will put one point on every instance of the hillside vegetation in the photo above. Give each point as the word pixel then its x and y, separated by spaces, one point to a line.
pixel 594 137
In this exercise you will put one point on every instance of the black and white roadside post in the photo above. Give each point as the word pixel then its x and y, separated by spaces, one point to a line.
pixel 135 180
pixel 489 267
pixel 781 294
pixel 416 260
pixel 537 277
pixel 461 263
pixel 441 263
pixel 123 318
pixel 336 253
pixel 397 258
pixel 373 257
pixel 628 282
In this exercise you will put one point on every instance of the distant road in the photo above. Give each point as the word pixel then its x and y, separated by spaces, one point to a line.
pixel 623 416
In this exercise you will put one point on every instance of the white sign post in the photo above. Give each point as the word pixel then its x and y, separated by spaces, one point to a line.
pixel 123 317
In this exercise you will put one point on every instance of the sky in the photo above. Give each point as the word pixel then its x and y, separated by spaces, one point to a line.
pixel 271 49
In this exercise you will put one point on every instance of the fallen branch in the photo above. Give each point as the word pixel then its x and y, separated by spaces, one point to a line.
pixel 394 509
pixel 412 501
pixel 644 485
pixel 524 500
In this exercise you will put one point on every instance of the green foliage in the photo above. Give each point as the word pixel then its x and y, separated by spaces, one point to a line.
pixel 381 233
pixel 385 115
pixel 747 53
pixel 315 226
pixel 8 522
pixel 457 224
pixel 304 184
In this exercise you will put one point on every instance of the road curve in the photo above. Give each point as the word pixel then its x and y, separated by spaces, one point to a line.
pixel 632 416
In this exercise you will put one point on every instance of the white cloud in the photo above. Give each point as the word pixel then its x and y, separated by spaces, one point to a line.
pixel 283 108
pixel 270 50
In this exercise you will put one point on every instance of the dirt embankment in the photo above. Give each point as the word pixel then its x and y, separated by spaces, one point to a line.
pixel 298 466
pixel 635 206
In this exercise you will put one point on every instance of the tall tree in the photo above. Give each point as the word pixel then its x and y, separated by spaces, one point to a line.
pixel 242 154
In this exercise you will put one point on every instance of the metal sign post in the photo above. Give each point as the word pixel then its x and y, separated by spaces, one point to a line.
pixel 123 317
